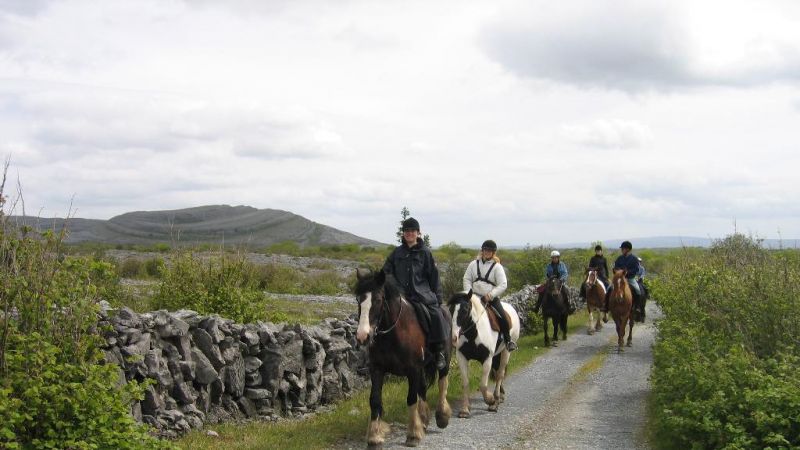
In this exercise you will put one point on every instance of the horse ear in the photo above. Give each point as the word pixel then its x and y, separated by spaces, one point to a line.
pixel 362 273
pixel 380 278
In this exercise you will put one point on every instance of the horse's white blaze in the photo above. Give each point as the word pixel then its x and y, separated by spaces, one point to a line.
pixel 363 321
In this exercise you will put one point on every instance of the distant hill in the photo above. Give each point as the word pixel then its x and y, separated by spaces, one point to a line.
pixel 677 242
pixel 204 224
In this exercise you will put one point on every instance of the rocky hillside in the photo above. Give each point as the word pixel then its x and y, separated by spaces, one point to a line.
pixel 203 224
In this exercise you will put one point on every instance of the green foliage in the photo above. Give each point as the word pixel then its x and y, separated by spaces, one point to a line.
pixel 54 391
pixel 153 267
pixel 452 261
pixel 221 285
pixel 131 268
pixel 48 403
pixel 725 362
pixel 525 266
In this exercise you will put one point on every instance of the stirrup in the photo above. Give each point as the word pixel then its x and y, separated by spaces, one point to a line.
pixel 511 345
pixel 441 363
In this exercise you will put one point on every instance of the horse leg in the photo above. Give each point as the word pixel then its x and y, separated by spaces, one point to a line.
pixel 422 403
pixel 630 332
pixel 500 376
pixel 377 428
pixel 488 397
pixel 463 368
pixel 415 430
pixel 591 321
pixel 564 319
pixel 620 333
pixel 443 411
pixel 546 338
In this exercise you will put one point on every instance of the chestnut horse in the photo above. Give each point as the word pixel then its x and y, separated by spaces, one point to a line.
pixel 595 295
pixel 555 306
pixel 396 345
pixel 620 304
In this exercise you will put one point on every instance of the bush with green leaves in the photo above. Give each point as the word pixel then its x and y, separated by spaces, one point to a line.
pixel 54 390
pixel 220 284
pixel 726 357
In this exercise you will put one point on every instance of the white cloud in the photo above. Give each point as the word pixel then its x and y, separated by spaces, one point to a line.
pixel 610 134
pixel 637 46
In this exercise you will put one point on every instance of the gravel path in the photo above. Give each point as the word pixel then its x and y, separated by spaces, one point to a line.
pixel 580 395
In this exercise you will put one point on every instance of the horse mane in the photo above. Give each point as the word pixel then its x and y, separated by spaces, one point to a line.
pixel 368 284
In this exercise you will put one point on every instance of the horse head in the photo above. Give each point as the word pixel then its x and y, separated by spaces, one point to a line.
pixel 370 295
pixel 591 277
pixel 554 285
pixel 619 282
pixel 460 305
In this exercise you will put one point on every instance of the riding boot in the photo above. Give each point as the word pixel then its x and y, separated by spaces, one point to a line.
pixel 505 327
pixel 441 361
pixel 437 336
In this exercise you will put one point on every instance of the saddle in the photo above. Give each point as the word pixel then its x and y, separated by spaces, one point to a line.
pixel 423 317
pixel 492 315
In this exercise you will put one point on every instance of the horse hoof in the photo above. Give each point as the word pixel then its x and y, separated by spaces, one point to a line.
pixel 442 419
pixel 412 442
pixel 463 415
pixel 591 331
pixel 555 344
pixel 374 446
pixel 493 407
pixel 629 344
pixel 605 319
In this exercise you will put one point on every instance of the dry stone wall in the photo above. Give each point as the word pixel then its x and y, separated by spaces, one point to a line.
pixel 207 369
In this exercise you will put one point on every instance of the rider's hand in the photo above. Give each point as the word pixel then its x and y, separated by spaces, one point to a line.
pixel 488 297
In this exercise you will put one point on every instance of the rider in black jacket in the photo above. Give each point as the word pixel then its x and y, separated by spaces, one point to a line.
pixel 412 266
pixel 599 263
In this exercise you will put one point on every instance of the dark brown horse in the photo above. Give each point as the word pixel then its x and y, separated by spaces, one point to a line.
pixel 388 323
pixel 620 304
pixel 555 306
pixel 595 295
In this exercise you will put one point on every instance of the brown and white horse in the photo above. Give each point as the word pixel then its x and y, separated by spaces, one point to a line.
pixel 396 345
pixel 475 340
pixel 620 304
pixel 595 295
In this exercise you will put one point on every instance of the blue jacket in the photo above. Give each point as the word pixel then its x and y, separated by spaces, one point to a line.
pixel 629 263
pixel 562 271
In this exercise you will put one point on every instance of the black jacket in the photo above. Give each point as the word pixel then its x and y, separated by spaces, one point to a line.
pixel 600 263
pixel 415 272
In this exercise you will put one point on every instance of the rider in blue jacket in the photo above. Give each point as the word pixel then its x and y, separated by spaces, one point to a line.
pixel 557 268
pixel 630 263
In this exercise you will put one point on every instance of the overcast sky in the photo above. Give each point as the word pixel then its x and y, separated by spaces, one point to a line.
pixel 525 122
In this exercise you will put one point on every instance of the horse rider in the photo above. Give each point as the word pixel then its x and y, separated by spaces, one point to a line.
pixel 555 268
pixel 412 266
pixel 630 263
pixel 487 279
pixel 599 263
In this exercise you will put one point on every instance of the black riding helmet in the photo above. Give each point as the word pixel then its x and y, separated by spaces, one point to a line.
pixel 410 224
pixel 598 247
pixel 489 245
pixel 626 244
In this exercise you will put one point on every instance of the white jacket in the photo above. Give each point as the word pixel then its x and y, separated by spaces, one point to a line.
pixel 481 288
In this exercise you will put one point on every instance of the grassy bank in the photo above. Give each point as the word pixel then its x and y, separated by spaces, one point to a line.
pixel 348 419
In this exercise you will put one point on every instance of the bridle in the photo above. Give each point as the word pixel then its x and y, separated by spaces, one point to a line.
pixel 474 323
pixel 384 308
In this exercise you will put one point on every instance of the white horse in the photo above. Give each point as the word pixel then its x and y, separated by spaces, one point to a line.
pixel 475 339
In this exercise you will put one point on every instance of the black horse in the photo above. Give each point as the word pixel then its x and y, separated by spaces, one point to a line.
pixel 555 306
pixel 389 324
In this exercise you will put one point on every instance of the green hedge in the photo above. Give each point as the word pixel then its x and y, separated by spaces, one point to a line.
pixel 726 358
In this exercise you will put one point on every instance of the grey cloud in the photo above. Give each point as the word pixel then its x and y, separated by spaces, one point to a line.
pixel 620 45
pixel 24 7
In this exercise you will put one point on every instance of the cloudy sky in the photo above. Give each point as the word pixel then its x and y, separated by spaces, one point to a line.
pixel 539 122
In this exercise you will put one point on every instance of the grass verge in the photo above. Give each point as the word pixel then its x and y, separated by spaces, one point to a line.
pixel 347 421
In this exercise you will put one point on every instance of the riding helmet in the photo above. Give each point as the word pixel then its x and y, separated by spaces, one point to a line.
pixel 489 245
pixel 627 244
pixel 410 224
pixel 598 247
pixel 554 253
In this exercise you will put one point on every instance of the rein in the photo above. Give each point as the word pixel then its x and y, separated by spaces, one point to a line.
pixel 400 313
pixel 474 322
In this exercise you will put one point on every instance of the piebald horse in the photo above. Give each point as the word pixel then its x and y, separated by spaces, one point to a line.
pixel 475 340
pixel 595 295
pixel 396 345
pixel 620 304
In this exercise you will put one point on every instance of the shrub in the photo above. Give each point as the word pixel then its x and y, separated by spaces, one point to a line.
pixel 221 285
pixel 131 268
pixel 153 267
pixel 726 356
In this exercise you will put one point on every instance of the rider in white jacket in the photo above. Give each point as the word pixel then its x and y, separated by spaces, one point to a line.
pixel 487 279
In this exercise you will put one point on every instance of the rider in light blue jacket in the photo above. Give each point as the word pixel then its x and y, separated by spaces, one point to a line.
pixel 556 267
